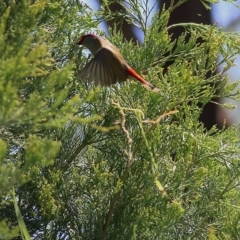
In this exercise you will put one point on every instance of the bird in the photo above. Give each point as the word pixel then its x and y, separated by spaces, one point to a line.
pixel 107 66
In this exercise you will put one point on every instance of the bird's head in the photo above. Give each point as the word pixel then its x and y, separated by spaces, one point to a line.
pixel 90 41
pixel 87 37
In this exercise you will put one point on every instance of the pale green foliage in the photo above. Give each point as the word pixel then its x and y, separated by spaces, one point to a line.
pixel 119 163
pixel 36 85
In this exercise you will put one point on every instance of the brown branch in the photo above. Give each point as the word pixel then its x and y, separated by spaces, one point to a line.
pixel 124 177
pixel 130 162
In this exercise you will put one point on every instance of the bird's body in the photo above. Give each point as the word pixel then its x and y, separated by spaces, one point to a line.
pixel 108 66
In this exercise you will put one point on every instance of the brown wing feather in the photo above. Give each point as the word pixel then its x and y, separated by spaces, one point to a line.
pixel 104 69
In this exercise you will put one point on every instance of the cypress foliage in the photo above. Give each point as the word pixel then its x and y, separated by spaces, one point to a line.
pixel 79 162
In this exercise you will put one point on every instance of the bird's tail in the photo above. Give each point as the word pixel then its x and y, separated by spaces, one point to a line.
pixel 135 76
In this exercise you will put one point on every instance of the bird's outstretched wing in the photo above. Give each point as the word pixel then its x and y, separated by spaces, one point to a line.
pixel 104 69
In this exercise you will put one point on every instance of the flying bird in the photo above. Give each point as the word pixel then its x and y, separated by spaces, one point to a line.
pixel 108 66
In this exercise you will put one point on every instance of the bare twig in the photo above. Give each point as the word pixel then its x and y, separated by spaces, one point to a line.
pixel 131 157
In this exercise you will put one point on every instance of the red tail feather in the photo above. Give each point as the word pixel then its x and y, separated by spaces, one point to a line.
pixel 135 76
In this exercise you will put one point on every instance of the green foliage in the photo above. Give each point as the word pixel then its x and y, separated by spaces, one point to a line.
pixel 119 163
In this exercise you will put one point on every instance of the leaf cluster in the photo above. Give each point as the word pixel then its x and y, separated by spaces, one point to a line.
pixel 123 162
